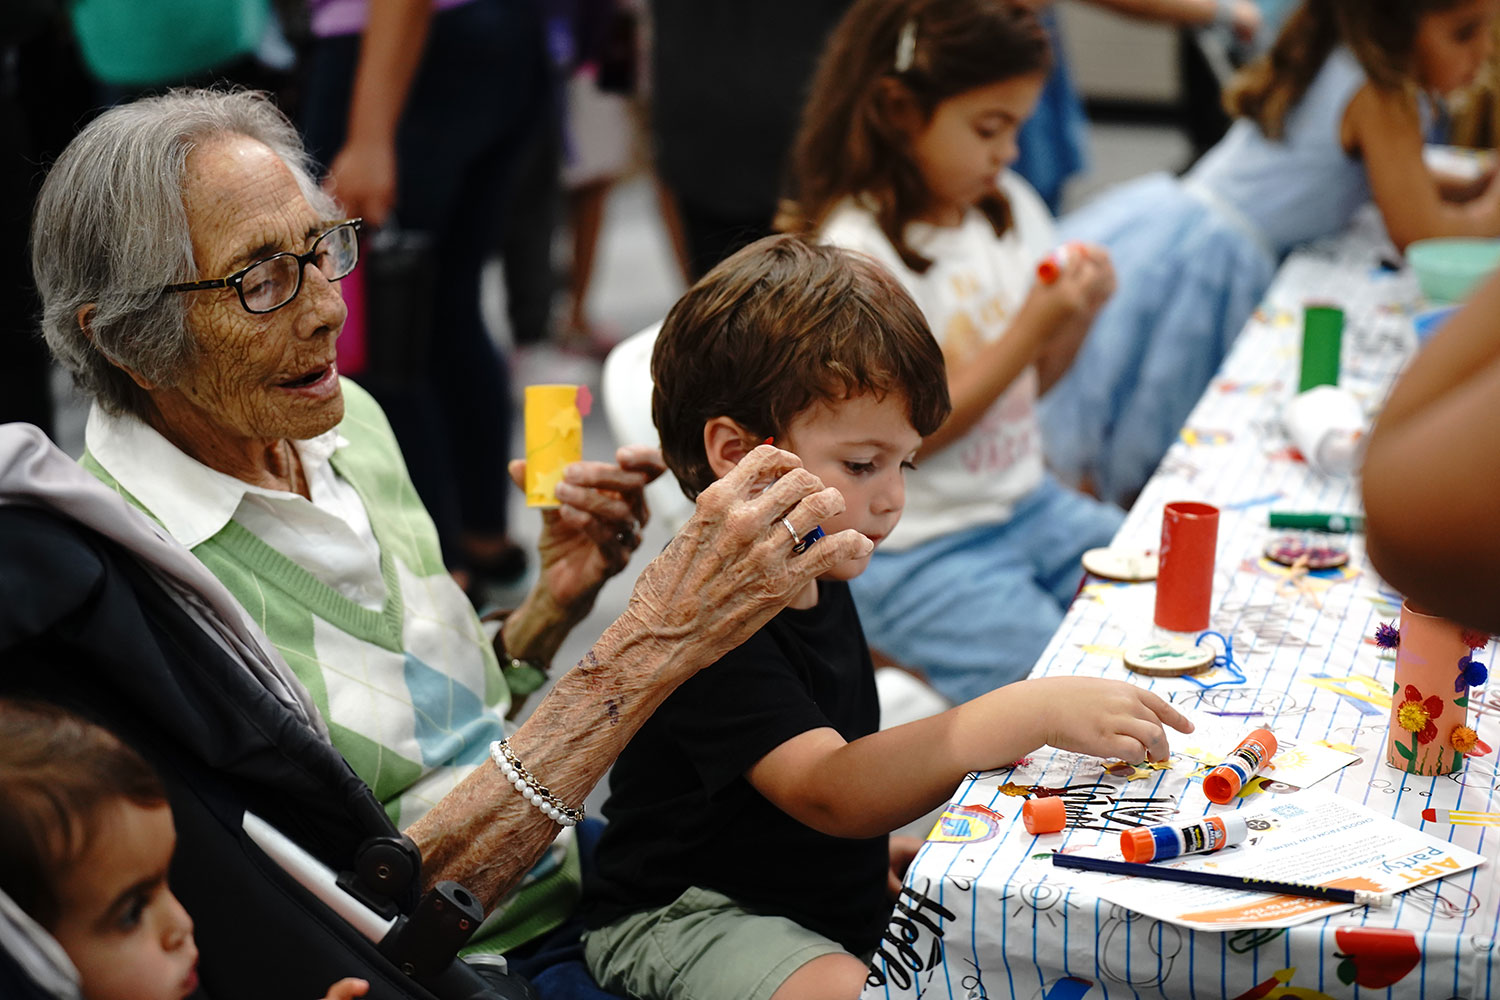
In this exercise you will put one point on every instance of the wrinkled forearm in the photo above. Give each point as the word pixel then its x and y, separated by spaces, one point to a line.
pixel 484 834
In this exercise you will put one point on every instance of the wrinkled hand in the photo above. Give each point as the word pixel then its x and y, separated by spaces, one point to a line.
pixel 347 989
pixel 903 852
pixel 731 568
pixel 592 535
pixel 1106 718
pixel 363 179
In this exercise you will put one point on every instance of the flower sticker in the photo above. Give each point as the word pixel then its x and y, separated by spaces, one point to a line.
pixel 1463 739
pixel 1387 636
pixel 1415 715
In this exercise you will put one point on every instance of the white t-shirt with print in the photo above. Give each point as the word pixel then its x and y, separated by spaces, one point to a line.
pixel 970 295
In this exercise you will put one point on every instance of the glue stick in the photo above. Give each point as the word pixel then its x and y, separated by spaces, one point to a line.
pixel 1053 265
pixel 1158 843
pixel 1224 782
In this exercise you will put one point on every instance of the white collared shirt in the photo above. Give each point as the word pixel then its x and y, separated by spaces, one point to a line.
pixel 329 536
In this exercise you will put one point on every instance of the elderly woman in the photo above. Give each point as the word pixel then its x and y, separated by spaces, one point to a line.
pixel 186 261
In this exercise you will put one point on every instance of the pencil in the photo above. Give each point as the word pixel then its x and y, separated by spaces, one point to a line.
pixel 1329 894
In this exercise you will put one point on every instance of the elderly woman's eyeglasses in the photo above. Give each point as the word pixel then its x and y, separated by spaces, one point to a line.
pixel 269 284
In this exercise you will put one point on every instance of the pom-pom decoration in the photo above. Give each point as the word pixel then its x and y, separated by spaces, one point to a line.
pixel 1471 673
pixel 1387 636
pixel 1475 639
pixel 1463 739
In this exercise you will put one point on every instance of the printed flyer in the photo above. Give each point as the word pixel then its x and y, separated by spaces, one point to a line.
pixel 1310 838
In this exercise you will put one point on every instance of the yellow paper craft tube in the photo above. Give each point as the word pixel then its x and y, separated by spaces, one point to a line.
pixel 554 439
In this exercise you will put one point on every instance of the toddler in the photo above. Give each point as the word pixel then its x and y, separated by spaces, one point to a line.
pixel 86 838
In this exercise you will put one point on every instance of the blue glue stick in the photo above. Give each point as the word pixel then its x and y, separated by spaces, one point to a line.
pixel 1158 843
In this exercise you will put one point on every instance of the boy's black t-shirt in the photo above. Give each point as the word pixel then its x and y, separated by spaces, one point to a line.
pixel 682 814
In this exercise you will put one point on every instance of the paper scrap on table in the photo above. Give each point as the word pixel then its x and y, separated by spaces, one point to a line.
pixel 1322 840
pixel 554 438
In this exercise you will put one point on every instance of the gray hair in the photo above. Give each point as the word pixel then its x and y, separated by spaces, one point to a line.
pixel 110 231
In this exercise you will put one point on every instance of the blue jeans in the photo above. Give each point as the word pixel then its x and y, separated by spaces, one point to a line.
pixel 975 609
pixel 478 95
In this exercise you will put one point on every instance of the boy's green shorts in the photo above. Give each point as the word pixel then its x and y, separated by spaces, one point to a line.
pixel 703 946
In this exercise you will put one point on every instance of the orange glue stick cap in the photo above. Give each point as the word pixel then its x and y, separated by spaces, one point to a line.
pixel 1138 845
pixel 1052 266
pixel 1046 815
pixel 1224 782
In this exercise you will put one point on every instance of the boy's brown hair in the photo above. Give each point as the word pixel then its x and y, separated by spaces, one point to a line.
pixel 58 773
pixel 781 325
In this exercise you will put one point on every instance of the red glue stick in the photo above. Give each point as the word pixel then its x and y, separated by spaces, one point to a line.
pixel 1055 263
pixel 1224 782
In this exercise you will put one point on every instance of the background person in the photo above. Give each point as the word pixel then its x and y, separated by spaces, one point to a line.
pixel 1331 117
pixel 902 155
pixel 1431 472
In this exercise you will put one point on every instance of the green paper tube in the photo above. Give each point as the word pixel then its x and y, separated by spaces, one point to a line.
pixel 1322 335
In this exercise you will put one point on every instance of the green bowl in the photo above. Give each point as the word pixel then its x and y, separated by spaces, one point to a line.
pixel 1449 268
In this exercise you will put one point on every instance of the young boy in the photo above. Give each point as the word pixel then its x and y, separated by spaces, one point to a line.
pixel 86 836
pixel 746 853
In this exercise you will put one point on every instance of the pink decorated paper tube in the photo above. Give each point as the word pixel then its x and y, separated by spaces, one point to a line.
pixel 1429 731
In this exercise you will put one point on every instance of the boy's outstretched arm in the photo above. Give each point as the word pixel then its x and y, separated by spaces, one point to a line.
pixel 888 779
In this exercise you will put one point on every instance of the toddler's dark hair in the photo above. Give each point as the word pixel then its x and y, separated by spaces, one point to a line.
pixel 58 772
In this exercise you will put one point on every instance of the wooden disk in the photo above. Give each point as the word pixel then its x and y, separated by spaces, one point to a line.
pixel 1126 565
pixel 1289 549
pixel 1165 659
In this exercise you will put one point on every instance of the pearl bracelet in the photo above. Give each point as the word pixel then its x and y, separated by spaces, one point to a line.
pixel 532 790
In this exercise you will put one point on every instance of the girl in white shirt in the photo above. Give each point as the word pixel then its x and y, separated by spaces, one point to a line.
pixel 902 155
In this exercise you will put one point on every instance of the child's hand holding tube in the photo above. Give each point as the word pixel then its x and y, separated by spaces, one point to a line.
pixel 1073 283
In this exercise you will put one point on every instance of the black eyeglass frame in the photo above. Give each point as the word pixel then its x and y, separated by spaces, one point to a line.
pixel 237 279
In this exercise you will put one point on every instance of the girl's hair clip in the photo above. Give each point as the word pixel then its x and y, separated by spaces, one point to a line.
pixel 906 46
